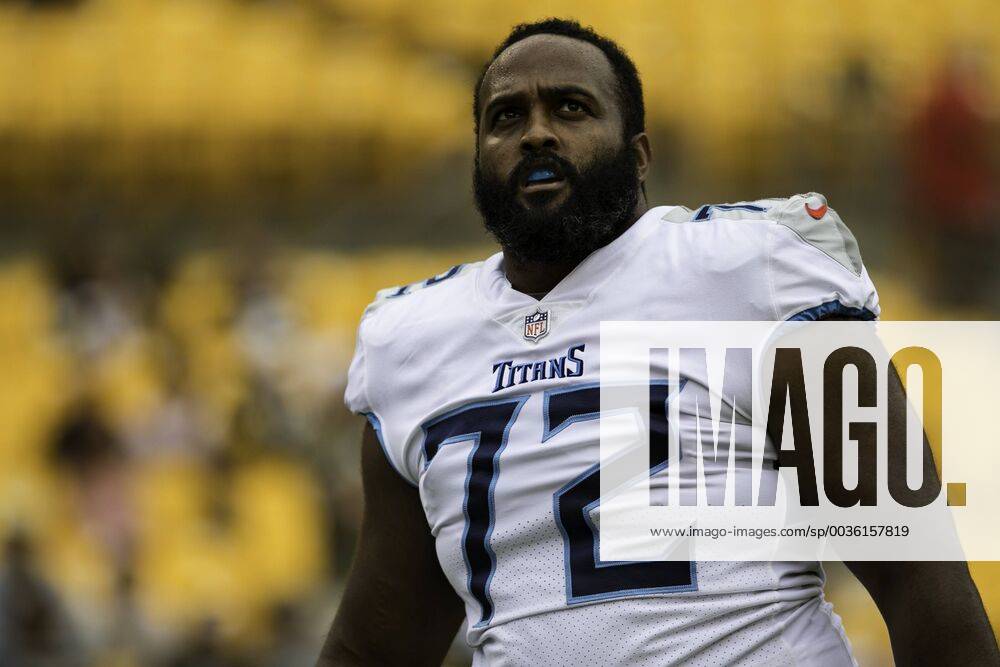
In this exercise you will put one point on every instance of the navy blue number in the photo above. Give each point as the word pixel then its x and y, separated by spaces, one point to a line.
pixel 487 425
pixel 705 212
pixel 433 280
pixel 587 577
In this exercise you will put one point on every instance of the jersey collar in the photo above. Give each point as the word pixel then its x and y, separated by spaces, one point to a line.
pixel 578 287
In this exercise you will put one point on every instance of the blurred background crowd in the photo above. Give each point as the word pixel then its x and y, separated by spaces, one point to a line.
pixel 198 198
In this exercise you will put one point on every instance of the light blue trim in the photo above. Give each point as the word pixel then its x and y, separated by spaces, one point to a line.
pixel 557 515
pixel 465 514
pixel 598 563
pixel 377 427
pixel 399 292
pixel 705 212
pixel 834 307
pixel 547 431
pixel 490 498
pixel 595 534
pixel 641 592
pixel 433 280
pixel 443 276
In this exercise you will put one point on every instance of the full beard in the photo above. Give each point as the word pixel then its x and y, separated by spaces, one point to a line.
pixel 599 207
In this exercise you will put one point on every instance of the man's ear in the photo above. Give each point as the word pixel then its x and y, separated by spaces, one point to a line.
pixel 643 154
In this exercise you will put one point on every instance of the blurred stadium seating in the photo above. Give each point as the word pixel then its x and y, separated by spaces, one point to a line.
pixel 202 195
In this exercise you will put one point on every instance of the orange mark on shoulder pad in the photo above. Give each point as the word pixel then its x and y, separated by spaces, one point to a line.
pixel 818 212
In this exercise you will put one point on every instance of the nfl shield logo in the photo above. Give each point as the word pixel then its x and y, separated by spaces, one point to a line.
pixel 536 325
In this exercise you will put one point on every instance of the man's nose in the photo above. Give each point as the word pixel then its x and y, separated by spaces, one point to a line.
pixel 538 133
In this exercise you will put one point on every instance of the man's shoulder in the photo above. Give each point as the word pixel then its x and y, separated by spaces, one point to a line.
pixel 801 218
pixel 794 210
pixel 434 296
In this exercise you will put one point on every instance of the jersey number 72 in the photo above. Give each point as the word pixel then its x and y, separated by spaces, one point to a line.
pixel 486 425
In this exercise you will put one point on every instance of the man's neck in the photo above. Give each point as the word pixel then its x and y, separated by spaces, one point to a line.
pixel 537 279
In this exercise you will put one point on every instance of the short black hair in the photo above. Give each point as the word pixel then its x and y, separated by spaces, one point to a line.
pixel 629 86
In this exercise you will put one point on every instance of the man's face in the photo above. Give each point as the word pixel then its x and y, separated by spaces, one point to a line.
pixel 554 177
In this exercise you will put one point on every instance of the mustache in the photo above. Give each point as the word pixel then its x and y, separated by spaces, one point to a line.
pixel 541 159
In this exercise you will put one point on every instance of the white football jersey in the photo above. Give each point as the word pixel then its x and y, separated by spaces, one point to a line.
pixel 487 400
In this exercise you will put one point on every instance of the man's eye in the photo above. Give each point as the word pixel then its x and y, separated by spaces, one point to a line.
pixel 507 114
pixel 572 106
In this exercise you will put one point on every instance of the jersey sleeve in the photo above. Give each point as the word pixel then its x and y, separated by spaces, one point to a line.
pixel 815 265
pixel 358 399
pixel 356 393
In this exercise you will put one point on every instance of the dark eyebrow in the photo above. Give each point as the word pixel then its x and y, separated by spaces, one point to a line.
pixel 568 89
pixel 547 91
pixel 501 100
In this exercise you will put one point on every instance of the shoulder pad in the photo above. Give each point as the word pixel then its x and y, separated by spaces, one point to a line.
pixel 809 216
pixel 744 210
pixel 391 293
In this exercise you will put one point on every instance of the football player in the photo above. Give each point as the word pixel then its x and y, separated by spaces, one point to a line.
pixel 480 387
